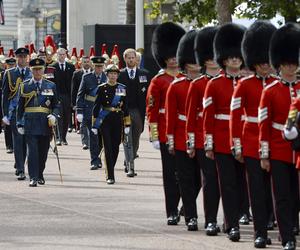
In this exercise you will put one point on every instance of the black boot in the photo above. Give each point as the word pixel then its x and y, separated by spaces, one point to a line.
pixel 234 234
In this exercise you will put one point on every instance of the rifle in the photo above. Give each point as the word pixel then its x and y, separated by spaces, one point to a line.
pixel 55 151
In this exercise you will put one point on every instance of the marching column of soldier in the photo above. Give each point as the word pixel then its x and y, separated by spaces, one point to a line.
pixel 234 135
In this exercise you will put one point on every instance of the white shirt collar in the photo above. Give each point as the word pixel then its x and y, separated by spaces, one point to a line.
pixel 134 71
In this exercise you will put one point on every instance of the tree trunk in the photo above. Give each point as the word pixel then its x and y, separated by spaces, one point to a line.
pixel 223 11
pixel 130 11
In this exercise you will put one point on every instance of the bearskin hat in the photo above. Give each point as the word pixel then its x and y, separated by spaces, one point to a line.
pixel 185 51
pixel 203 46
pixel 165 41
pixel 256 43
pixel 227 42
pixel 285 45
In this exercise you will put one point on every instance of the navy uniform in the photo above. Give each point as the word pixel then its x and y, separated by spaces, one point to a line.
pixel 10 96
pixel 110 114
pixel 84 105
pixel 38 108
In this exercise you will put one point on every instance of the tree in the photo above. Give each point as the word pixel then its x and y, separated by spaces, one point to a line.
pixel 130 11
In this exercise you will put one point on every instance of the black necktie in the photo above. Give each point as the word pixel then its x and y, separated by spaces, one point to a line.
pixel 22 74
pixel 131 74
pixel 62 67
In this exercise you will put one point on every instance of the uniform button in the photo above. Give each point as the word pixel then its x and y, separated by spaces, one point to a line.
pixel 106 96
pixel 105 91
pixel 107 102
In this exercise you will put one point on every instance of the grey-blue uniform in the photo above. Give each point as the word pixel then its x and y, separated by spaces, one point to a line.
pixel 12 80
pixel 84 105
pixel 110 115
pixel 38 99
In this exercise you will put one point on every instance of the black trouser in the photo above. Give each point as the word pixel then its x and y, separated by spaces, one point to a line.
pixel 111 130
pixel 227 172
pixel 171 188
pixel 211 193
pixel 186 168
pixel 38 146
pixel 65 115
pixel 243 197
pixel 285 190
pixel 8 137
pixel 258 184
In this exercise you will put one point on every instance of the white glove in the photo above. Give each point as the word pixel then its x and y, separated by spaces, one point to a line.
pixel 5 120
pixel 95 131
pixel 79 117
pixel 21 131
pixel 126 130
pixel 51 120
pixel 290 134
pixel 156 145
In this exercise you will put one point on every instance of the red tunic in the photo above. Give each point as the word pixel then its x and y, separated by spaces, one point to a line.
pixel 245 101
pixel 155 102
pixel 216 112
pixel 273 113
pixel 175 111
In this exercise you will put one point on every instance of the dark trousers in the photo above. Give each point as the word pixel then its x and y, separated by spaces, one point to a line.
pixel 19 146
pixel 243 197
pixel 95 145
pixel 285 191
pixel 258 184
pixel 186 168
pixel 8 137
pixel 227 172
pixel 170 182
pixel 38 146
pixel 111 130
pixel 210 183
pixel 84 134
pixel 65 114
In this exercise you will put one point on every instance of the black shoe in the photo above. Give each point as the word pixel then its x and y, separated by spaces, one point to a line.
pixel 58 143
pixel 33 183
pixel 211 229
pixel 110 181
pixel 130 173
pixel 234 234
pixel 260 242
pixel 296 230
pixel 70 130
pixel 290 245
pixel 41 181
pixel 269 241
pixel 21 176
pixel 270 226
pixel 173 220
pixel 85 147
pixel 100 165
pixel 192 225
pixel 64 142
pixel 78 132
pixel 17 172
pixel 9 150
pixel 244 220
pixel 94 167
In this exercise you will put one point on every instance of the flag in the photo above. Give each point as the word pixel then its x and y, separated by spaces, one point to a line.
pixel 1 13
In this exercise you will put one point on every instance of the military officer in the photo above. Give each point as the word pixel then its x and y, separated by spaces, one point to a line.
pixel 84 105
pixel 111 116
pixel 11 82
pixel 37 112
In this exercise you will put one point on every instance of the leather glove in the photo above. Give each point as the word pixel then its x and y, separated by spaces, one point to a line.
pixel 126 130
pixel 290 134
pixel 21 130
pixel 5 120
pixel 156 145
pixel 51 120
pixel 95 131
pixel 79 117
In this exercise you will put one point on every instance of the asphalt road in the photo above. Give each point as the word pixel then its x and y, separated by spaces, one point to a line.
pixel 84 212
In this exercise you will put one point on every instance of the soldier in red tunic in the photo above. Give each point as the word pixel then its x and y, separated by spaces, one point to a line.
pixel 276 154
pixel 216 110
pixel 244 134
pixel 188 172
pixel 164 46
pixel 194 126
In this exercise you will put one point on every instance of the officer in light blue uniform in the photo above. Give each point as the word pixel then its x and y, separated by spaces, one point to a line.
pixel 12 80
pixel 37 112
pixel 84 106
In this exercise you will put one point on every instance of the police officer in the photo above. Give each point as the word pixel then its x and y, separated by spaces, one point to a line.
pixel 110 115
pixel 84 105
pixel 37 110
pixel 11 82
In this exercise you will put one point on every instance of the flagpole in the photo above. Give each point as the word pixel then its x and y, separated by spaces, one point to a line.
pixel 139 24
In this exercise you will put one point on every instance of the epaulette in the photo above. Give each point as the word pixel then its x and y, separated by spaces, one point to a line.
pixel 271 84
pixel 177 80
pixel 102 84
pixel 198 78
pixel 49 81
pixel 246 77
pixel 216 78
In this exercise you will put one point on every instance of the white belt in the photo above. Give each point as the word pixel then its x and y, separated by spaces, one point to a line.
pixel 162 111
pixel 200 114
pixel 277 126
pixel 251 119
pixel 181 117
pixel 222 117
